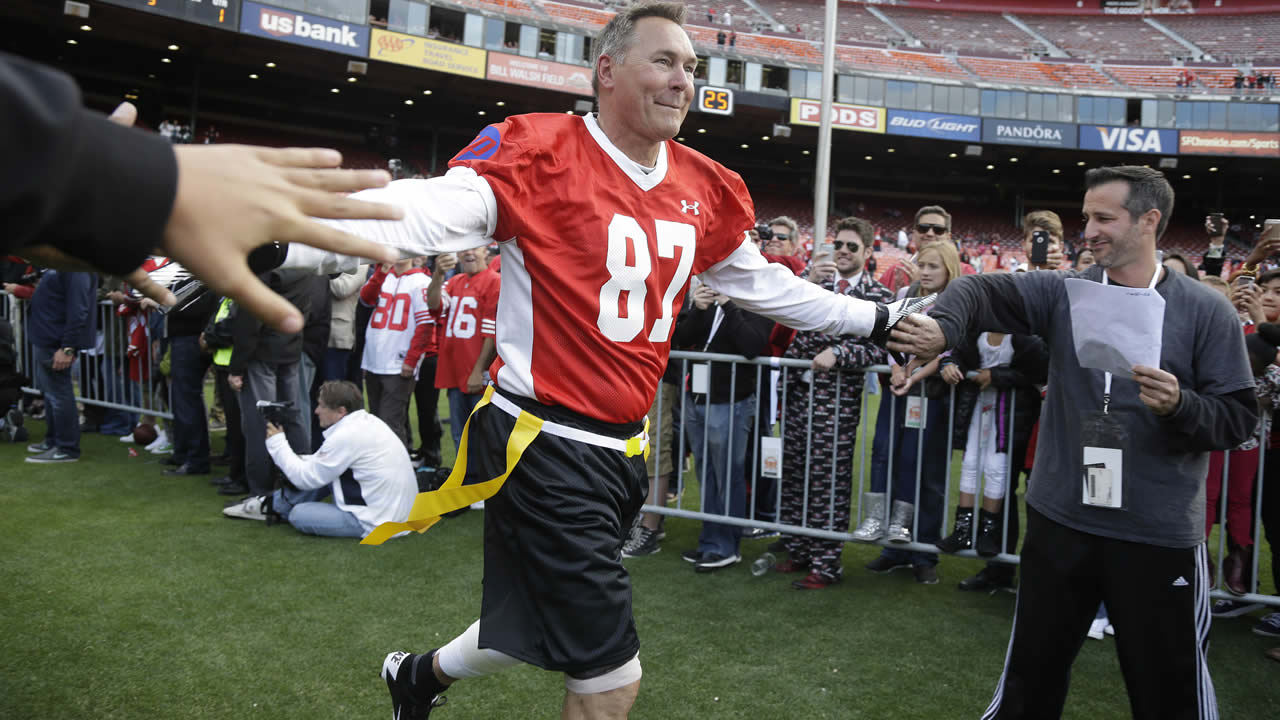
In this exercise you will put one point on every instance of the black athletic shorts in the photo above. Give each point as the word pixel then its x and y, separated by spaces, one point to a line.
pixel 555 592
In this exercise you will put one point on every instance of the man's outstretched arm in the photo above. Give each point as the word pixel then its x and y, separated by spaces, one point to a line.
pixel 994 301
pixel 451 213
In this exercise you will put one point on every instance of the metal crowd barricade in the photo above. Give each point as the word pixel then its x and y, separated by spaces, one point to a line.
pixel 102 374
pixel 758 367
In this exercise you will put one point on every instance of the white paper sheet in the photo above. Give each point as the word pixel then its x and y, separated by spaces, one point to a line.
pixel 1115 327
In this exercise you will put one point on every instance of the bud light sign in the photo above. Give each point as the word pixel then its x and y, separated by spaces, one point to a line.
pixel 933 125
pixel 304 29
pixel 1129 139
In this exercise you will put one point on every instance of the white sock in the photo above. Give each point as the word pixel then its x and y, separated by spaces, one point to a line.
pixel 463 658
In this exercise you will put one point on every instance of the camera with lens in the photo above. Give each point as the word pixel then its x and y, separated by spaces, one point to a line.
pixel 276 413
pixel 765 232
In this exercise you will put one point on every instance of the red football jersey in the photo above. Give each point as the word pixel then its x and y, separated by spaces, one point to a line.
pixel 596 257
pixel 468 314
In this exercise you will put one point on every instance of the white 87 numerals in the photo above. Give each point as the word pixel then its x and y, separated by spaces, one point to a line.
pixel 625 232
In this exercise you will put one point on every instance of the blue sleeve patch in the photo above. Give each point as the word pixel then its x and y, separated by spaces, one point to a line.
pixel 484 146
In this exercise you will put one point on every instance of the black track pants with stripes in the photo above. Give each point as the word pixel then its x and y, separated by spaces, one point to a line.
pixel 1158 602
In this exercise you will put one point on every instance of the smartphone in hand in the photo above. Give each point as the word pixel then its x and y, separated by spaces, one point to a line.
pixel 1039 247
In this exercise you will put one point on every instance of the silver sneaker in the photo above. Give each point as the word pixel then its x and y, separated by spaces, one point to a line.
pixel 900 522
pixel 872 527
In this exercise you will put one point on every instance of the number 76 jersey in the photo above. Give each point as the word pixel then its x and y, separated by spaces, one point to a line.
pixel 597 254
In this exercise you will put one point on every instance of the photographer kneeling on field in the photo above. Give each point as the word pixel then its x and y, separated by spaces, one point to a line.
pixel 362 463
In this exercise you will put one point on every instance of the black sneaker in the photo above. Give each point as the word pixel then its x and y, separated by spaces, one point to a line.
pixel 1233 608
pixel 925 574
pixel 691 556
pixel 989 580
pixel 414 689
pixel 643 541
pixel 711 562
pixel 884 564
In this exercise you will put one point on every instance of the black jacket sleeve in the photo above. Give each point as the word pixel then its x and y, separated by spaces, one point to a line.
pixel 990 301
pixel 1029 367
pixel 1213 422
pixel 68 174
pixel 1211 266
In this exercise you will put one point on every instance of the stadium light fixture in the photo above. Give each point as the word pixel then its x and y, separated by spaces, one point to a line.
pixel 805 152
pixel 351 79
pixel 253 76
pixel 568 112
pixel 480 113
pixel 1013 159
pixel 991 167
pixel 702 131
pixel 335 91
pixel 866 157
pixel 72 42
pixel 1080 164
pixel 165 60
pixel 952 155
pixel 86 28
pixel 1186 177
pixel 744 146
pixel 1056 171
pixel 679 139
pixel 271 64
pixel 408 102
pixel 500 103
pixel 890 150
pixel 1213 169
pixel 426 92
pixel 1253 217
pixel 764 137
pixel 173 48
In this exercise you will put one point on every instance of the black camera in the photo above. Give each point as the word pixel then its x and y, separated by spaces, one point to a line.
pixel 765 232
pixel 276 413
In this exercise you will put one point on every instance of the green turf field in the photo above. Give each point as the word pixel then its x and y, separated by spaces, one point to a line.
pixel 128 595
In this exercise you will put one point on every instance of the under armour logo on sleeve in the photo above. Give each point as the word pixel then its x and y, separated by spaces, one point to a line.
pixel 686 206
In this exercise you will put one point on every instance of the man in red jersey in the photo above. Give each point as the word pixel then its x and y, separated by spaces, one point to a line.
pixel 602 220
pixel 466 307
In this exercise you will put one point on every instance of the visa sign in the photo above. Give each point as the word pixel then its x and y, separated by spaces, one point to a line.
pixel 933 125
pixel 1129 139
pixel 304 29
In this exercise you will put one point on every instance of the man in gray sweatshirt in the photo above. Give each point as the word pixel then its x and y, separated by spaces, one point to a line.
pixel 1144 555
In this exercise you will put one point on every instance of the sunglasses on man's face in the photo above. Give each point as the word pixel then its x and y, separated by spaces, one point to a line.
pixel 924 229
pixel 782 237
pixel 841 244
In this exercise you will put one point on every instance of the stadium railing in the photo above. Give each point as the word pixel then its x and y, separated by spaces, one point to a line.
pixel 101 374
pixel 856 381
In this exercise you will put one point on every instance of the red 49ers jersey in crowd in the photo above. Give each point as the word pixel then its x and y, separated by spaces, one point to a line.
pixel 468 315
pixel 401 329
pixel 596 257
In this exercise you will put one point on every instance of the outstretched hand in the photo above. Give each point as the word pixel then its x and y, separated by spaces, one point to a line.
pixel 918 335
pixel 234 198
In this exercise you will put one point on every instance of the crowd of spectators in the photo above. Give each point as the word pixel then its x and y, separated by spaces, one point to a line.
pixel 296 431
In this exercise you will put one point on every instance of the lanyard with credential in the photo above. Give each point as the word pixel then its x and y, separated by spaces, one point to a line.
pixel 1106 376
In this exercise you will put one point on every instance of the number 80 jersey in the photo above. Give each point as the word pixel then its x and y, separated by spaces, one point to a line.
pixel 596 257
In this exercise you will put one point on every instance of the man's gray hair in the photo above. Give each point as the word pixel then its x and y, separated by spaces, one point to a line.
pixel 620 32
pixel 784 220
pixel 1148 190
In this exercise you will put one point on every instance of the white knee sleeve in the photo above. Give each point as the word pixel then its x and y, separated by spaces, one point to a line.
pixel 621 676
pixel 994 476
pixel 463 658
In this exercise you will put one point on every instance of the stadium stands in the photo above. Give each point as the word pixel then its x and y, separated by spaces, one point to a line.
pixel 901 63
pixel 983 33
pixel 1227 36
pixel 1106 37
pixel 1147 77
pixel 978 36
pixel 856 24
